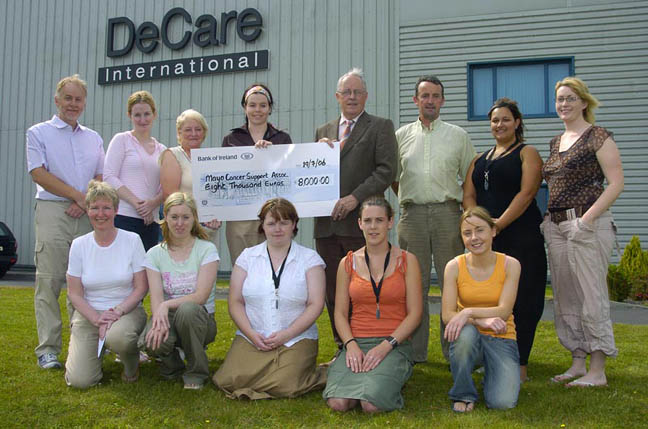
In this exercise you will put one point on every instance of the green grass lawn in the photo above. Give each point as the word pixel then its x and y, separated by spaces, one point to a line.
pixel 31 397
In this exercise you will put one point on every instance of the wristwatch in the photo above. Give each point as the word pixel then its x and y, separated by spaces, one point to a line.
pixel 391 340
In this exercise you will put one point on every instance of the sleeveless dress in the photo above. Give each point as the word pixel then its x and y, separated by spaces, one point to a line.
pixel 382 385
pixel 522 240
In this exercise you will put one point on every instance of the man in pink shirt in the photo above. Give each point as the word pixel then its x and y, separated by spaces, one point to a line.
pixel 62 157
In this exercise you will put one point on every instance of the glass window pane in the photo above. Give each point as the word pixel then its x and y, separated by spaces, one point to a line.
pixel 482 94
pixel 524 84
pixel 556 72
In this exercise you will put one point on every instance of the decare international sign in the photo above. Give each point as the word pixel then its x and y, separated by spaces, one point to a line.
pixel 147 35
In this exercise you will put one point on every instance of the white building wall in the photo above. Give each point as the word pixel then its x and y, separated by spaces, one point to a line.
pixel 608 41
pixel 311 44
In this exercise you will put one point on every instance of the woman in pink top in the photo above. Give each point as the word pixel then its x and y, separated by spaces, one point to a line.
pixel 132 168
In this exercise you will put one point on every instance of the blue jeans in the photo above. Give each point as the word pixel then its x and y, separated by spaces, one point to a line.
pixel 501 368
pixel 148 233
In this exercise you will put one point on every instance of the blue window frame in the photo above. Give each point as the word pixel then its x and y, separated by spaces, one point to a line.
pixel 529 82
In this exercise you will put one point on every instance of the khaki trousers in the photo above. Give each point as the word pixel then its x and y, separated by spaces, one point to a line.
pixel 192 329
pixel 430 231
pixel 578 259
pixel 54 234
pixel 241 235
pixel 83 367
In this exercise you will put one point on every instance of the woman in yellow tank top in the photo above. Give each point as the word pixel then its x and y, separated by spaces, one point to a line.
pixel 477 304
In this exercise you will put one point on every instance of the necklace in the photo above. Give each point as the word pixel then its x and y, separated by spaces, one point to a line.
pixel 490 161
pixel 377 288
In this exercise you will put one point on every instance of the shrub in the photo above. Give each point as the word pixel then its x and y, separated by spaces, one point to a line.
pixel 634 264
pixel 630 277
pixel 619 287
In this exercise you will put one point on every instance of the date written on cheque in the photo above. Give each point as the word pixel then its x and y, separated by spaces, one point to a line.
pixel 314 163
pixel 311 181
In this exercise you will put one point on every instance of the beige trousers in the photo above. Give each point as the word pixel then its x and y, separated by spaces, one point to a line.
pixel 240 235
pixel 54 234
pixel 430 231
pixel 578 259
pixel 83 367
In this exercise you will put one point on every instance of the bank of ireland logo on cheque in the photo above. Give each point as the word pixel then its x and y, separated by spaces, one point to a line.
pixel 247 156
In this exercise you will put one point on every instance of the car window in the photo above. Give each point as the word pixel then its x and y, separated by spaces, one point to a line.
pixel 4 231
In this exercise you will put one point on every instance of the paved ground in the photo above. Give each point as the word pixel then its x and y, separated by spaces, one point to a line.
pixel 621 312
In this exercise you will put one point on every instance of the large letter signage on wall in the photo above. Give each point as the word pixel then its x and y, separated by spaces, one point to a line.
pixel 182 67
pixel 122 35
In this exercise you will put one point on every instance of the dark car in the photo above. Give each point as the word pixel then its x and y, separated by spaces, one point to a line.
pixel 8 249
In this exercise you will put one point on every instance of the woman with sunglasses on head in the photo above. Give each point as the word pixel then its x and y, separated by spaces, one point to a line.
pixel 257 103
pixel 477 305
pixel 381 284
pixel 504 180
pixel 580 232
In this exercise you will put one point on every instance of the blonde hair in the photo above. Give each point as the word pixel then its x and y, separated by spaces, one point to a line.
pixel 478 212
pixel 178 199
pixel 101 190
pixel 581 89
pixel 140 97
pixel 74 79
pixel 191 114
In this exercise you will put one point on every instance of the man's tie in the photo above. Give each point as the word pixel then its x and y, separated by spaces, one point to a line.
pixel 346 133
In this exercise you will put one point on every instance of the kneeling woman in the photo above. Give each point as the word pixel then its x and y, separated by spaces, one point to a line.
pixel 181 273
pixel 106 283
pixel 477 304
pixel 276 295
pixel 382 284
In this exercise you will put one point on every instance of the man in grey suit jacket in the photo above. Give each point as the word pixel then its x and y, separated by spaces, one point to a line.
pixel 368 163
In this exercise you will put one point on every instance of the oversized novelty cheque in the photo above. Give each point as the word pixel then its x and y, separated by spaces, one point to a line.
pixel 232 183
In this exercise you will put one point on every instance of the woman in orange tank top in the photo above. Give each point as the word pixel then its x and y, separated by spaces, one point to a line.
pixel 382 286
pixel 477 305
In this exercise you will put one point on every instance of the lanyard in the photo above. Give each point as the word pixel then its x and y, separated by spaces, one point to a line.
pixel 376 289
pixel 276 278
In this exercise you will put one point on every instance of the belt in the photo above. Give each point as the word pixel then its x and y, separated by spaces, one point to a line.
pixel 568 214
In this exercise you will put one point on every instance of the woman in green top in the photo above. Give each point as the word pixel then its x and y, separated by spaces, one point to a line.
pixel 181 272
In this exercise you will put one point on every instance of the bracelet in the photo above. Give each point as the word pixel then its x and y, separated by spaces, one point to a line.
pixel 348 341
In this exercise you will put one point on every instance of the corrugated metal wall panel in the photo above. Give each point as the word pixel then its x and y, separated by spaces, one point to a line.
pixel 311 44
pixel 612 62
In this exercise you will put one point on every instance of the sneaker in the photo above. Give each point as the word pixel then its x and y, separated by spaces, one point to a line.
pixel 49 361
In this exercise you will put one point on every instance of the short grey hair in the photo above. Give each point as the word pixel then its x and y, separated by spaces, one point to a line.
pixel 355 71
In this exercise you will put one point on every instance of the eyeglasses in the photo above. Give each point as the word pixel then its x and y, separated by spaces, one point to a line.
pixel 569 99
pixel 356 92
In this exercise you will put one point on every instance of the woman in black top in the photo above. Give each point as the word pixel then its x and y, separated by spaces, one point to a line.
pixel 257 103
pixel 505 180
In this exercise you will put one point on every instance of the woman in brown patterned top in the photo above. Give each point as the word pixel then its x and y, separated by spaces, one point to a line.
pixel 579 231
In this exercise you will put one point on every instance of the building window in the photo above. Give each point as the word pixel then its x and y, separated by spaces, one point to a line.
pixel 529 82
